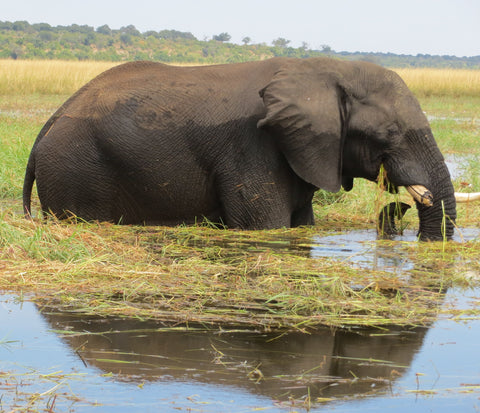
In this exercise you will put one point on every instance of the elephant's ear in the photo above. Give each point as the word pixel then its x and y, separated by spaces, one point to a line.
pixel 304 111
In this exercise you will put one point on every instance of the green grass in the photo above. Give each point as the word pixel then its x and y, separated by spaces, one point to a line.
pixel 452 106
pixel 15 143
pixel 457 136
pixel 455 122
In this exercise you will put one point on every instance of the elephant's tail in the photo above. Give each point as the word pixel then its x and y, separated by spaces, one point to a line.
pixel 28 186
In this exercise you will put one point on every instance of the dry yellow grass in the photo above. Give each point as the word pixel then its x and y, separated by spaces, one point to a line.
pixel 49 77
pixel 54 77
pixel 442 82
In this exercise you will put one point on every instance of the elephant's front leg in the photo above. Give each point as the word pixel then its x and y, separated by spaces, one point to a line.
pixel 303 215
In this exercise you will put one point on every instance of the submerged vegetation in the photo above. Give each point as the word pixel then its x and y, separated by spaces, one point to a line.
pixel 265 280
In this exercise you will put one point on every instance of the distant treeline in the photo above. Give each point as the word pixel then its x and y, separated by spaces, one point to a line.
pixel 22 40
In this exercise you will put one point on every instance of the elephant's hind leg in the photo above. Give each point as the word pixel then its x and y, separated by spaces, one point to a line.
pixel 73 179
pixel 86 196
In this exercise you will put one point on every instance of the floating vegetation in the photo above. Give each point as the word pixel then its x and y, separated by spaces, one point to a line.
pixel 265 280
pixel 49 389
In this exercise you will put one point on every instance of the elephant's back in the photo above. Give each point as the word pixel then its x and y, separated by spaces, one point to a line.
pixel 140 74
pixel 154 94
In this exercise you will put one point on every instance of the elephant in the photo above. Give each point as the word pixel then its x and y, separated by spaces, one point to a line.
pixel 386 218
pixel 245 145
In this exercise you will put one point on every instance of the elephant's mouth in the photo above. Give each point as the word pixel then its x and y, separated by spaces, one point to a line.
pixel 386 219
pixel 422 195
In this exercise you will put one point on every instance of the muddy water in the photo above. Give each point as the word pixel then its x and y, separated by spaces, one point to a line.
pixel 86 364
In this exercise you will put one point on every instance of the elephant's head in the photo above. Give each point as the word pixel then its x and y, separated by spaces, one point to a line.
pixel 336 121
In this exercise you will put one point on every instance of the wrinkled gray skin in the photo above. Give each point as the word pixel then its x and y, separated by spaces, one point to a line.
pixel 243 144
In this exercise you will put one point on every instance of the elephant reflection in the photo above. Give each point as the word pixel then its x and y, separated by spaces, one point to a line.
pixel 280 367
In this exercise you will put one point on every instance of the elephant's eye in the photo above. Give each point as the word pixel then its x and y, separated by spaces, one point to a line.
pixel 392 132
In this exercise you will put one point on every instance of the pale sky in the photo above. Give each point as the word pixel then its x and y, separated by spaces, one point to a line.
pixel 443 27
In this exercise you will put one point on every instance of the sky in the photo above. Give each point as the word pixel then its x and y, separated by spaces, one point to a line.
pixel 436 27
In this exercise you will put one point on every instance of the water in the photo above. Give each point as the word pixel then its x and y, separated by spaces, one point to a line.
pixel 123 365
pixel 362 248
pixel 126 365
pixel 468 120
pixel 462 166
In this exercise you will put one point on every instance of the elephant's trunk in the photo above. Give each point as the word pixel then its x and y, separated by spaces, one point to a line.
pixel 437 220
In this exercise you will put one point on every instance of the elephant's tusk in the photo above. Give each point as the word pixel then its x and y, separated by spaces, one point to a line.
pixel 465 197
pixel 421 194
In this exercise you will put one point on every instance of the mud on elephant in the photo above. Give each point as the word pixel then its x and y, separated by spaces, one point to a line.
pixel 243 144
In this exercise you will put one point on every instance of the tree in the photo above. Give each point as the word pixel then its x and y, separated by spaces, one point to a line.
pixel 16 53
pixel 89 39
pixel 104 29
pixel 126 39
pixel 175 34
pixel 6 25
pixel 246 40
pixel 222 37
pixel 42 27
pixel 46 36
pixel 20 26
pixel 130 29
pixel 326 48
pixel 210 50
pixel 152 33
pixel 281 42
pixel 84 28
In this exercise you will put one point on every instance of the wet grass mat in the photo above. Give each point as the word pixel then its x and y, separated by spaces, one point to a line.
pixel 265 280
